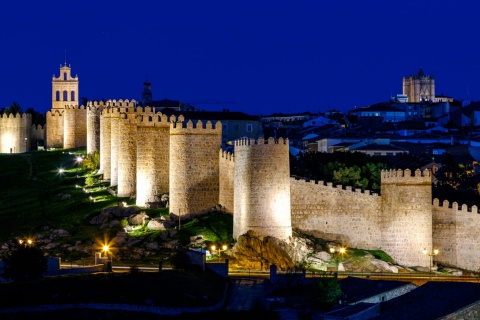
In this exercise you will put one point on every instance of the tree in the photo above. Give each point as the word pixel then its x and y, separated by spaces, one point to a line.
pixel 24 263
pixel 13 109
pixel 327 291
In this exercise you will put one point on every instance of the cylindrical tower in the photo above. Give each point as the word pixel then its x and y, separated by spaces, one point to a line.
pixel 153 158
pixel 105 143
pixel 127 154
pixel 407 216
pixel 194 167
pixel 93 128
pixel 114 137
pixel 262 188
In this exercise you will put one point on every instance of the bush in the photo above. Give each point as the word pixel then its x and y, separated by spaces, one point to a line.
pixel 90 181
pixel 92 161
pixel 25 263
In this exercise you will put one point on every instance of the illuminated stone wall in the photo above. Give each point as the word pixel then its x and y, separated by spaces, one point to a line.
pixel 456 234
pixel 338 214
pixel 75 127
pixel 105 142
pixel 262 188
pixel 194 166
pixel 127 153
pixel 15 133
pixel 153 156
pixel 227 171
pixel 407 216
pixel 93 127
pixel 37 135
pixel 114 137
pixel 54 123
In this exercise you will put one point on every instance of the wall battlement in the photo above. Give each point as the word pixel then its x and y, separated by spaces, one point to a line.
pixel 198 128
pixel 322 183
pixel 405 176
pixel 227 155
pixel 54 113
pixel 455 207
pixel 16 116
pixel 259 141
pixel 75 107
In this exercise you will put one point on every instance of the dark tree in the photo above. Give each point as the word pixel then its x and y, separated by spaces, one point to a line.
pixel 24 263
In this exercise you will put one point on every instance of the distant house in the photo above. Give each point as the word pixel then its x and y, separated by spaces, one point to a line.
pixel 234 124
pixel 380 150
pixel 384 110
pixel 318 122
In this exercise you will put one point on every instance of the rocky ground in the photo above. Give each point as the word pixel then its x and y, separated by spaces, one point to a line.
pixel 249 253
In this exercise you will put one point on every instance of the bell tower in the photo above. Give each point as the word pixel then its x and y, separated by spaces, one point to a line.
pixel 64 88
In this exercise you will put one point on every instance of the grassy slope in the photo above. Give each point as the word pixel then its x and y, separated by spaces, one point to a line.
pixel 30 190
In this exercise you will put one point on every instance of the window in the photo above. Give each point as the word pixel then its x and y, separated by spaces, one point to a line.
pixel 65 95
pixel 249 127
pixel 57 95
pixel 65 76
pixel 72 96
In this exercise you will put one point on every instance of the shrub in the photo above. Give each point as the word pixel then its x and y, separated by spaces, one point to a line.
pixel 90 181
pixel 92 161
pixel 25 263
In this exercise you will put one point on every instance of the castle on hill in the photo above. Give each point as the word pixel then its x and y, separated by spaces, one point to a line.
pixel 145 153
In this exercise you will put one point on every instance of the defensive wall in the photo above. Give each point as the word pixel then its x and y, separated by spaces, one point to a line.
pixel 194 166
pixel 227 177
pixel 15 133
pixel 262 188
pixel 456 234
pixel 350 217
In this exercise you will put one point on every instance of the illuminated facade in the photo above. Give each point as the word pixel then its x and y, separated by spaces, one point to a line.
pixel 419 87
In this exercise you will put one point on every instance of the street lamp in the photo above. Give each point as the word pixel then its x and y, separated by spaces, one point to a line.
pixel 224 247
pixel 430 254
pixel 339 255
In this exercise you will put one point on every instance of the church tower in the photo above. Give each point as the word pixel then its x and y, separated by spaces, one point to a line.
pixel 146 94
pixel 419 87
pixel 64 88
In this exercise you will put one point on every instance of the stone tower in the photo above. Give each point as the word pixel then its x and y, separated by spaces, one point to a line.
pixel 194 166
pixel 419 87
pixel 407 216
pixel 153 155
pixel 262 188
pixel 146 94
pixel 64 88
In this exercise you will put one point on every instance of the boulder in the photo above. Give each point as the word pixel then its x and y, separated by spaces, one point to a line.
pixel 100 218
pixel 152 246
pixel 60 233
pixel 156 224
pixel 138 219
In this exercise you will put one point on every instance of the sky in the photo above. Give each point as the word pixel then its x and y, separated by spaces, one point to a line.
pixel 259 57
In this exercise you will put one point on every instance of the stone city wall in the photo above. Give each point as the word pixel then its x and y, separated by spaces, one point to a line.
pixel 262 188
pixel 93 128
pixel 227 171
pixel 15 133
pixel 74 127
pixel 350 217
pixel 194 166
pixel 406 216
pixel 153 156
pixel 54 120
pixel 127 154
pixel 456 234
pixel 37 136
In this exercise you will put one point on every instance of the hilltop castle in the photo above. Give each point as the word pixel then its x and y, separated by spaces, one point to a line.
pixel 145 153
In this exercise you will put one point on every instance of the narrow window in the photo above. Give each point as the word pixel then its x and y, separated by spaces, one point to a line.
pixel 65 76
pixel 72 96
pixel 57 95
pixel 249 127
pixel 65 95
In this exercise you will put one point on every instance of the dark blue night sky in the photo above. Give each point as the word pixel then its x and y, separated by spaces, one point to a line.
pixel 266 56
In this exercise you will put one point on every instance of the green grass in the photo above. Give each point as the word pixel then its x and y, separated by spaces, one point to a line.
pixel 216 228
pixel 168 288
pixel 31 189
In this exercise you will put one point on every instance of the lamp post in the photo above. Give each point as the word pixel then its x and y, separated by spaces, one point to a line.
pixel 339 255
pixel 223 248
pixel 430 254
